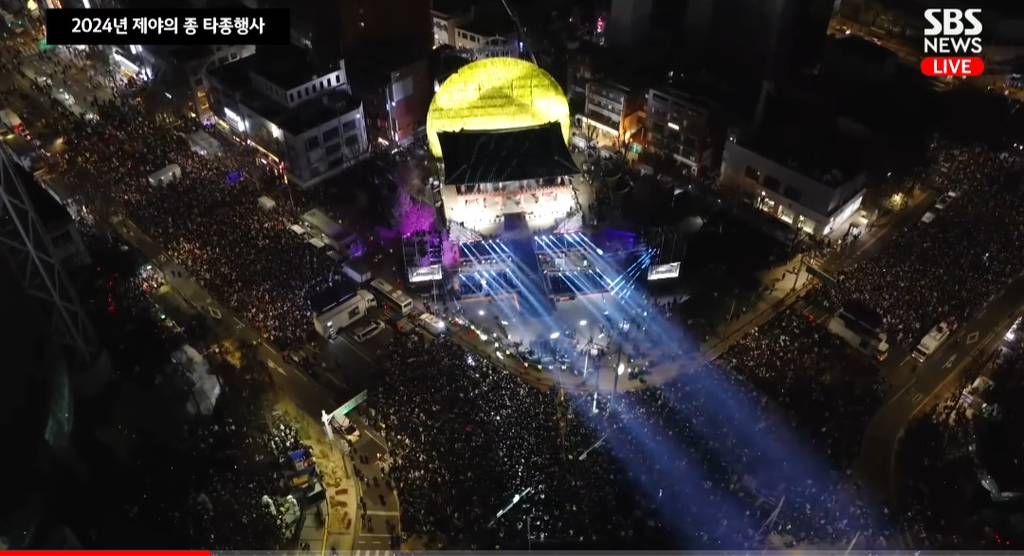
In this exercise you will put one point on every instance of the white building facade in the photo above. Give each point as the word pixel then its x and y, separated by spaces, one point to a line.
pixel 812 205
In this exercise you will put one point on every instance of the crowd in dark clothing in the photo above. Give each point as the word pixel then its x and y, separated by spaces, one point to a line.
pixel 961 481
pixel 705 461
pixel 828 390
pixel 208 220
pixel 946 269
pixel 244 256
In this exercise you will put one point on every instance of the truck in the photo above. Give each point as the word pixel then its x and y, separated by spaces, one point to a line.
pixel 350 310
pixel 932 340
pixel 326 229
pixel 861 327
pixel 357 271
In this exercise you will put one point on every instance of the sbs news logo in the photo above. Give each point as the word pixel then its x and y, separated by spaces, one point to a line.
pixel 952 43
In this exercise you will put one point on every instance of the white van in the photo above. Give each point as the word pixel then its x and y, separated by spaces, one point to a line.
pixel 368 331
pixel 431 324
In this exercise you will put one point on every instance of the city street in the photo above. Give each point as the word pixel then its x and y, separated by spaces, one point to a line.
pixel 930 381
pixel 654 309
pixel 185 296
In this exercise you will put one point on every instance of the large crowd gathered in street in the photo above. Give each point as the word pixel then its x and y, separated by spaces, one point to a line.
pixel 754 449
pixel 962 483
pixel 213 228
pixel 945 269
pixel 208 220
pixel 705 461
pixel 812 374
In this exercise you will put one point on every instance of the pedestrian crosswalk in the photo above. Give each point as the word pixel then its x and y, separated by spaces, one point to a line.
pixel 370 552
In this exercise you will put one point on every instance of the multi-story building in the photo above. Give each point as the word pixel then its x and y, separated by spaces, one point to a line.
pixel 800 166
pixel 303 117
pixel 475 32
pixel 386 46
pixel 612 114
pixel 395 89
pixel 182 69
pixel 684 127
pixel 487 37
pixel 447 17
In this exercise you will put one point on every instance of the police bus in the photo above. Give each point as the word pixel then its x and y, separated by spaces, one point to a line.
pixel 392 297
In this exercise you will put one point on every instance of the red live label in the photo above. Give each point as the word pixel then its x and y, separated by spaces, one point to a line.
pixel 952 66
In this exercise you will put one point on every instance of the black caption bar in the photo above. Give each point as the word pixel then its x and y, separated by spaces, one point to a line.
pixel 184 26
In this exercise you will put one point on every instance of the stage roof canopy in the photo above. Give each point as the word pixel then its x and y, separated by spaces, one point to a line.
pixel 472 157
pixel 494 94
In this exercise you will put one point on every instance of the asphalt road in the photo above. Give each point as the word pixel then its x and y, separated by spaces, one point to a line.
pixel 928 381
pixel 379 503
pixel 186 297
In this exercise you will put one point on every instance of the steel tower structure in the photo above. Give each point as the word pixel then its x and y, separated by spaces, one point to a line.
pixel 25 244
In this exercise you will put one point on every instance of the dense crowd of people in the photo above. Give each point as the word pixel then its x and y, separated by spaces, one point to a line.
pixel 752 450
pixel 152 472
pixel 208 220
pixel 829 392
pixel 946 269
pixel 702 462
pixel 961 479
pixel 246 257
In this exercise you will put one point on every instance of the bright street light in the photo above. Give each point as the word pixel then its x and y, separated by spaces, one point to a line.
pixel 554 335
pixel 583 322
pixel 622 368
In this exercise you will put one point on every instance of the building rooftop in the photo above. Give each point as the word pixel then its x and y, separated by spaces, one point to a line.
pixel 294 120
pixel 314 112
pixel 286 66
pixel 472 157
pixel 367 71
pixel 808 139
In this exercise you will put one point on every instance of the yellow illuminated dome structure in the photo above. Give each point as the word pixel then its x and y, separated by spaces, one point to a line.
pixel 500 127
pixel 496 94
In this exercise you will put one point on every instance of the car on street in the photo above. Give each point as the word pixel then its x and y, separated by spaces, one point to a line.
pixel 368 331
pixel 943 201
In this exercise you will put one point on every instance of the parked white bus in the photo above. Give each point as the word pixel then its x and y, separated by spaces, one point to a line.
pixel 394 297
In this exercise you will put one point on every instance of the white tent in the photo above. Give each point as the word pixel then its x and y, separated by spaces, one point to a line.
pixel 205 386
